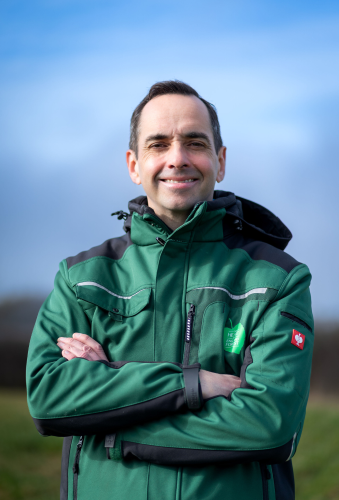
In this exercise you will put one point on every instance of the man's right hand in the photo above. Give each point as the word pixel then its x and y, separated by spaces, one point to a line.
pixel 215 384
pixel 81 345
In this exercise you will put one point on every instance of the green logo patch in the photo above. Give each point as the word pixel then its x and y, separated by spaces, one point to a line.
pixel 234 338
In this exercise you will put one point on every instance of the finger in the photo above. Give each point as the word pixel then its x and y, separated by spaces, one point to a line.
pixel 77 347
pixel 93 344
pixel 86 339
pixel 79 352
pixel 68 355
pixel 67 342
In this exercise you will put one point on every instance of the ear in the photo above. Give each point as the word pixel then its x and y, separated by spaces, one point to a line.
pixel 133 167
pixel 222 164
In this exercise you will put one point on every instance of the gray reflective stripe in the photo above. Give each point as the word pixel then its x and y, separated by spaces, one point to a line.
pixel 234 297
pixel 293 441
pixel 91 283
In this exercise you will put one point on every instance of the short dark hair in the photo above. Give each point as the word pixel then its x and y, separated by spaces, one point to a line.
pixel 172 87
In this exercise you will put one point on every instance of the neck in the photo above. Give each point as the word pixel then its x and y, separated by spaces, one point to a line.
pixel 172 219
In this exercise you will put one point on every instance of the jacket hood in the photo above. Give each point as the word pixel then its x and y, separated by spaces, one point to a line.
pixel 253 219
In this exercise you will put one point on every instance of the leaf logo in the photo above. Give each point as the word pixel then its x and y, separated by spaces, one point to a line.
pixel 234 337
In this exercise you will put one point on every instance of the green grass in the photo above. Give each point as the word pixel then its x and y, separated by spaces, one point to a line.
pixel 30 464
pixel 316 463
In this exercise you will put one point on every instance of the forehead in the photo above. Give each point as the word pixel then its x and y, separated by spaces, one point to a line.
pixel 171 114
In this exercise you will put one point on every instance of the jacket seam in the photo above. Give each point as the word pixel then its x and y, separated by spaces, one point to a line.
pixel 203 319
pixel 101 257
pixel 288 278
pixel 65 274
pixel 250 260
pixel 155 302
pixel 203 449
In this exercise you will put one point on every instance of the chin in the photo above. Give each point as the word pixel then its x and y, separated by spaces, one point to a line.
pixel 182 207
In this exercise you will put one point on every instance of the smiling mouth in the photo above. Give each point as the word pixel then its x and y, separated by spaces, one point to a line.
pixel 178 181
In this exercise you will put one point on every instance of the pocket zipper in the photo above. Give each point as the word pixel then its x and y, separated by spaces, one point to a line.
pixel 188 334
pixel 296 319
pixel 76 467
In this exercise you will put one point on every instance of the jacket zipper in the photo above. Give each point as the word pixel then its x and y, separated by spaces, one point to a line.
pixel 297 320
pixel 188 334
pixel 265 476
pixel 76 467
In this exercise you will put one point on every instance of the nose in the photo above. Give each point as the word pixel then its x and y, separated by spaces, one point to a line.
pixel 177 156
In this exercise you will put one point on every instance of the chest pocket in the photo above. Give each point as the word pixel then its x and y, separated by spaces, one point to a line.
pixel 222 325
pixel 120 323
pixel 211 312
pixel 110 301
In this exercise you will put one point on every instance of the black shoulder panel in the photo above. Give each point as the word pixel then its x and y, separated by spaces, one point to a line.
pixel 113 249
pixel 258 250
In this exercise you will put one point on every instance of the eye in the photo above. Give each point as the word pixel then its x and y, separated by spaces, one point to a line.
pixel 197 144
pixel 157 145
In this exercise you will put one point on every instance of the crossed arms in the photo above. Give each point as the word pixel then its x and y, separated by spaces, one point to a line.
pixel 145 402
pixel 82 346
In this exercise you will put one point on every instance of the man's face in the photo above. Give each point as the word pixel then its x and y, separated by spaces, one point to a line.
pixel 177 164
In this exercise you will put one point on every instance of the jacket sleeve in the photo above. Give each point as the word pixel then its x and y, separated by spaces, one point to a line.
pixel 92 397
pixel 263 419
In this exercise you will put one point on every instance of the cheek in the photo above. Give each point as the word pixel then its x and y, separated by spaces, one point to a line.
pixel 150 169
pixel 207 168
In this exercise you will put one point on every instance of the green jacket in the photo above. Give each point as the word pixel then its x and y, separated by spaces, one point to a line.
pixel 218 292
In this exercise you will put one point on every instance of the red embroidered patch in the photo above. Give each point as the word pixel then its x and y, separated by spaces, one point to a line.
pixel 298 339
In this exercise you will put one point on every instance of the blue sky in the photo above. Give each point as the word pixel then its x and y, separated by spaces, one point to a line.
pixel 71 74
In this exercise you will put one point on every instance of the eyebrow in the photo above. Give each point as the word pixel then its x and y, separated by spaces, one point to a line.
pixel 189 135
pixel 197 135
pixel 156 137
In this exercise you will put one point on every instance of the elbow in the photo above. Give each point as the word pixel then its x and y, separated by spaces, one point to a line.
pixel 41 426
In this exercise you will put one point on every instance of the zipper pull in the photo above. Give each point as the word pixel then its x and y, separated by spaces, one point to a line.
pixel 160 241
pixel 77 455
pixel 109 443
pixel 189 323
pixel 121 214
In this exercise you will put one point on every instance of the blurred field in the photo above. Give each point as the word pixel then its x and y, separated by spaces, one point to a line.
pixel 30 464
pixel 316 463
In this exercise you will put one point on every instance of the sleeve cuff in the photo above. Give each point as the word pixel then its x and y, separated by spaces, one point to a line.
pixel 192 386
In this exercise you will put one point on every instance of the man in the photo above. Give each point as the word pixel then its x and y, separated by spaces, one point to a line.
pixel 186 344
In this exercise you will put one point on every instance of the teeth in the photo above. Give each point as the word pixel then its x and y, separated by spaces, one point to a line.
pixel 178 182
